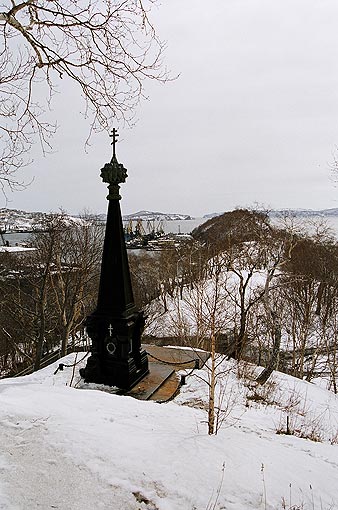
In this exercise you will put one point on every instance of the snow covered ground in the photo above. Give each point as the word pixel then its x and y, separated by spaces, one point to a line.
pixel 73 448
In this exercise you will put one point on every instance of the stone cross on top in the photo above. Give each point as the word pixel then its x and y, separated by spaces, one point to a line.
pixel 114 135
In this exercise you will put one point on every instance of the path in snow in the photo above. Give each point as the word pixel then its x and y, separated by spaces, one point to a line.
pixel 34 475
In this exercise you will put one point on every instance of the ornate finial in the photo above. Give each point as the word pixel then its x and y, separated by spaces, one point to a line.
pixel 114 135
pixel 114 172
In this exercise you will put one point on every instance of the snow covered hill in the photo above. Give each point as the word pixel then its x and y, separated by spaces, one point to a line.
pixel 15 220
pixel 79 448
pixel 157 216
pixel 306 212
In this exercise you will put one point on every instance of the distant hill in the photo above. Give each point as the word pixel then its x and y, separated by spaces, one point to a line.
pixel 247 225
pixel 293 212
pixel 305 212
pixel 17 220
pixel 157 216
pixel 212 215
pixel 240 224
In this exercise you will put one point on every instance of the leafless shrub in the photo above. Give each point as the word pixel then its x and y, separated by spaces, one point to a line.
pixel 266 394
pixel 304 429
pixel 334 438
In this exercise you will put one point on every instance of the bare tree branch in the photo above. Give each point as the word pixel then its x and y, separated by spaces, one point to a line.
pixel 108 48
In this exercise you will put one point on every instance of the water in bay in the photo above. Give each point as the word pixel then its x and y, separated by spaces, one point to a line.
pixel 15 238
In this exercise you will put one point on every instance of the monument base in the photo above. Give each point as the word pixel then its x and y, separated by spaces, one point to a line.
pixel 123 373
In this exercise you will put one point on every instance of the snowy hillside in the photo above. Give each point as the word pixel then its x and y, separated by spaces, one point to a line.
pixel 157 216
pixel 306 212
pixel 83 449
pixel 16 220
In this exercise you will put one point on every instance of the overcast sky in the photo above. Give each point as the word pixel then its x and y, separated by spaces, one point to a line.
pixel 252 118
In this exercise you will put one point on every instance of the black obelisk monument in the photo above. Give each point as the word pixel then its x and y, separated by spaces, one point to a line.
pixel 116 326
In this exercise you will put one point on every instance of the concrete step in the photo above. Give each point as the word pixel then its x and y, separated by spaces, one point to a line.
pixel 168 389
pixel 158 374
pixel 163 382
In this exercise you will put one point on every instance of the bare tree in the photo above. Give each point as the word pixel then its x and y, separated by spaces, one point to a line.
pixel 311 300
pixel 71 254
pixel 108 48
pixel 240 237
pixel 244 265
pixel 27 318
pixel 279 255
pixel 199 316
pixel 48 293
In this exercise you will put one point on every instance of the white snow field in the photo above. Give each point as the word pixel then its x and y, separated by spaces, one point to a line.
pixel 81 448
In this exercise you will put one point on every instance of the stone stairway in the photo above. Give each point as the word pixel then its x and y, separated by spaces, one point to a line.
pixel 163 382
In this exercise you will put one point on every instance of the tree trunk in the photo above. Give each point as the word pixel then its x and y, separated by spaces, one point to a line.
pixel 41 337
pixel 211 408
pixel 65 332
pixel 273 361
pixel 42 308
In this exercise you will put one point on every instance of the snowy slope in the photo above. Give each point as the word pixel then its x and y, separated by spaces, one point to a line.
pixel 191 310
pixel 151 215
pixel 12 220
pixel 80 448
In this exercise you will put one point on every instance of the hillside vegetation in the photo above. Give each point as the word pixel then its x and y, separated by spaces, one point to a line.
pixel 264 292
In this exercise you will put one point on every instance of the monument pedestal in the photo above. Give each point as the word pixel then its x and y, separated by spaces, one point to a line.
pixel 117 358
pixel 123 374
